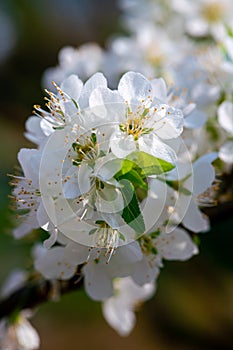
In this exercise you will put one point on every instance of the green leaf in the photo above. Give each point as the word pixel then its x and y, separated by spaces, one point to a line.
pixel 131 213
pixel 135 178
pixel 127 166
pixel 148 164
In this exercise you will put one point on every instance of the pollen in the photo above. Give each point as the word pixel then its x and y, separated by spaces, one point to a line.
pixel 213 12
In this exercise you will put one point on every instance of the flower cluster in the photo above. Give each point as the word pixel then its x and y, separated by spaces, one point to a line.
pixel 123 161
pixel 111 181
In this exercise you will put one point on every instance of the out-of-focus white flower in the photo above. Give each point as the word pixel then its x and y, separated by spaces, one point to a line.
pixel 156 246
pixel 195 185
pixel 198 87
pixel 225 119
pixel 83 61
pixel 204 17
pixel 225 116
pixel 226 152
pixel 138 12
pixel 18 335
pixel 119 309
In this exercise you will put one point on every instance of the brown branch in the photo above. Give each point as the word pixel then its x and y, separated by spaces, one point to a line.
pixel 35 293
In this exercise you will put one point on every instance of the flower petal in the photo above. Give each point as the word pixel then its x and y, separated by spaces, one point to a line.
pixel 195 119
pixel 176 245
pixel 52 264
pixel 225 116
pixel 92 83
pixel 152 145
pixel 77 181
pixel 159 89
pixel 98 284
pixel 226 152
pixel 135 89
pixel 169 122
pixel 194 220
pixel 108 105
pixel 122 144
pixel 72 86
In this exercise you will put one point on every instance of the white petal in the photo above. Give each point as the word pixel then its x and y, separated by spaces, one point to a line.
pixel 72 86
pixel 176 245
pixel 49 242
pixel 42 215
pixel 92 83
pixel 194 219
pixel 135 89
pixel 153 205
pixel 29 222
pixel 108 105
pixel 203 176
pixel 25 157
pixel 226 152
pixel 27 336
pixel 225 116
pixel 119 309
pixel 122 144
pixel 76 253
pixel 77 181
pixel 52 264
pixel 144 272
pixel 195 119
pixel 208 157
pixel 168 122
pixel 159 91
pixel 37 129
pixel 197 27
pixel 46 127
pixel 109 200
pixel 120 319
pixel 98 284
pixel 152 145
pixel 128 254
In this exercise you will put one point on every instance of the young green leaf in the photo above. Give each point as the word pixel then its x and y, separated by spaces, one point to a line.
pixel 149 164
pixel 131 213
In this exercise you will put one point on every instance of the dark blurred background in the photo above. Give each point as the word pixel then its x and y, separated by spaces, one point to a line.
pixel 193 307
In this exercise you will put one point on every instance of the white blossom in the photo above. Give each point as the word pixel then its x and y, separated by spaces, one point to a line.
pixel 19 335
pixel 119 309
pixel 83 61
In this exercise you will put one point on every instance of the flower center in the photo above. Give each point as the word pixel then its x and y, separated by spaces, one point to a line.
pixel 213 12
pixel 135 124
pixel 86 149
pixel 107 238
pixel 147 243
pixel 155 56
